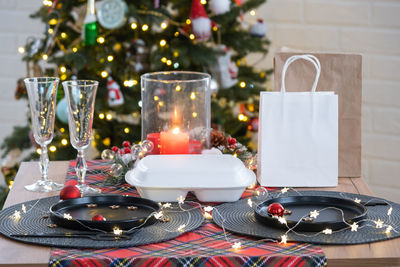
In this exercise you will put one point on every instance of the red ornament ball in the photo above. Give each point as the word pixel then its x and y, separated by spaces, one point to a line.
pixel 115 148
pixel 98 217
pixel 276 209
pixel 126 144
pixel 70 191
pixel 231 141
pixel 71 182
pixel 127 150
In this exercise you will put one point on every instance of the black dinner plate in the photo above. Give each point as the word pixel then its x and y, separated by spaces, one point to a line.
pixel 124 217
pixel 303 205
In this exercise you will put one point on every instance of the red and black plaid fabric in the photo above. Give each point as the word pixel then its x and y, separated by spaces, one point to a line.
pixel 206 246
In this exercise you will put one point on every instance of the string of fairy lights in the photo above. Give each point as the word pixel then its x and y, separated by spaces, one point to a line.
pixel 259 195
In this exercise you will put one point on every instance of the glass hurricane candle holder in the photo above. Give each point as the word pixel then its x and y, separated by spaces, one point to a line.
pixel 176 111
pixel 80 96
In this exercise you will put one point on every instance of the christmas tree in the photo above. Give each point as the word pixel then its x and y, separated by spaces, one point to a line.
pixel 115 41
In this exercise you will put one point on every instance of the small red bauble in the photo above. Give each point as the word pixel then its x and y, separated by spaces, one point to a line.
pixel 127 150
pixel 70 191
pixel 71 182
pixel 276 209
pixel 115 149
pixel 231 141
pixel 98 217
pixel 126 144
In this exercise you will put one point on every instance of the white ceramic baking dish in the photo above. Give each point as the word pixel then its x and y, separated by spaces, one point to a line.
pixel 212 178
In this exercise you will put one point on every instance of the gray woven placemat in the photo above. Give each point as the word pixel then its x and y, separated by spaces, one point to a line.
pixel 238 217
pixel 33 222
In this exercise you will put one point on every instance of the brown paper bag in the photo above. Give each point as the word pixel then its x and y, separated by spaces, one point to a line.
pixel 341 73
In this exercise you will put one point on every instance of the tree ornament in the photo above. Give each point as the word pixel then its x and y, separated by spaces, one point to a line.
pixel 225 70
pixel 201 24
pixel 111 13
pixel 258 29
pixel 89 29
pixel 135 150
pixel 254 124
pixel 20 90
pixel 114 95
pixel 214 86
pixel 115 149
pixel 276 209
pixel 108 154
pixel 98 218
pixel 219 6
pixel 217 139
pixel 147 146
pixel 116 170
pixel 62 111
pixel 126 144
pixel 127 150
pixel 71 182
pixel 70 191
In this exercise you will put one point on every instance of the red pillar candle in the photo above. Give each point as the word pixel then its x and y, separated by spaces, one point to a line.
pixel 174 142
pixel 155 138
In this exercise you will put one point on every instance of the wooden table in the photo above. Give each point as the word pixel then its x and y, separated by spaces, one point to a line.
pixel 12 253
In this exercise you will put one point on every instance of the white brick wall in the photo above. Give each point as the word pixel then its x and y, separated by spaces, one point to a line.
pixel 368 27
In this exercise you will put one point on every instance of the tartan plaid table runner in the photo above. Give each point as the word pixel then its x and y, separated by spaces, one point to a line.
pixel 206 246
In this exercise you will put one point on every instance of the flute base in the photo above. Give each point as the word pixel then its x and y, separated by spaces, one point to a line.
pixel 44 186
pixel 87 190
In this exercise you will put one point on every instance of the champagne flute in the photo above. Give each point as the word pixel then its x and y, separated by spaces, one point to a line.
pixel 42 93
pixel 80 96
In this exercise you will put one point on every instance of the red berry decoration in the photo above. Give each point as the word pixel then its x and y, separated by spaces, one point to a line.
pixel 115 149
pixel 231 141
pixel 71 182
pixel 70 191
pixel 98 218
pixel 126 144
pixel 127 150
pixel 276 209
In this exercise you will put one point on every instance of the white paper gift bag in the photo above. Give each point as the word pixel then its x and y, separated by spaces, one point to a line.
pixel 298 135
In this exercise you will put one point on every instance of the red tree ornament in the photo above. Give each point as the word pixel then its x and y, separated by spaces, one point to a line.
pixel 98 218
pixel 276 209
pixel 115 149
pixel 70 191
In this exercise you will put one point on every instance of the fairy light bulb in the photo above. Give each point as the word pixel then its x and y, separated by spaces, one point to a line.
pixel 169 62
pixel 192 96
pixel 237 245
pixel 16 216
pixel 164 59
pixel 191 36
pixel 389 212
pixel 167 205
pixel 163 25
pixel 52 149
pixel 283 239
pixel 134 25
pixel 117 231
pixel 104 74
pixel 181 199
pixel 145 27
pixel 74 49
pixel 109 117
pixel 181 227
pixel 127 130
pixel 110 58
pixel 45 56
pixel 21 49
pixel 252 12
pixel 188 21
pixel 388 229
pixel 100 40
pixel 282 220
pixel 242 84
pixel 67 216
pixel 63 35
pixel 354 227
pixel 357 200
pixel 327 231
pixel 63 69
pixel 163 42
pixel 314 214
pixel 64 142
pixel 23 208
pixel 284 190
pixel 379 223
pixel 250 202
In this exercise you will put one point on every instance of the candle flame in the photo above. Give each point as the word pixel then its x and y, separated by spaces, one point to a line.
pixel 176 130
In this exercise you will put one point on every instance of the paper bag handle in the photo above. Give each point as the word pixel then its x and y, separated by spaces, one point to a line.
pixel 310 58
